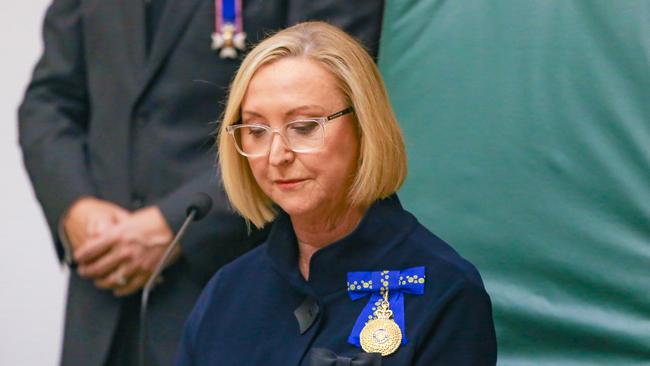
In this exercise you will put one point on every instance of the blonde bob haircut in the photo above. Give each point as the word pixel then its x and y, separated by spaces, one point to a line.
pixel 382 156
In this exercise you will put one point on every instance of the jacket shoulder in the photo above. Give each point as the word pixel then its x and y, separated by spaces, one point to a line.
pixel 440 258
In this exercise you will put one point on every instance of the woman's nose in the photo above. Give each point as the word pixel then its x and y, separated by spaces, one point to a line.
pixel 279 153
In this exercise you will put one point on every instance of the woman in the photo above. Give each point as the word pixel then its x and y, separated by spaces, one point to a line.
pixel 346 275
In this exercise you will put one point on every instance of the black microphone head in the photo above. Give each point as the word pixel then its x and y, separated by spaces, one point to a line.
pixel 201 204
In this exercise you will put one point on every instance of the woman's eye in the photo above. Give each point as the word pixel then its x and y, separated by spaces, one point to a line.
pixel 303 128
pixel 255 131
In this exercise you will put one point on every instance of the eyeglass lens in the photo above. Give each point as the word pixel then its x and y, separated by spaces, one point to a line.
pixel 300 136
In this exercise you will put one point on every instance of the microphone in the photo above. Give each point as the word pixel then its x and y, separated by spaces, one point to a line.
pixel 199 206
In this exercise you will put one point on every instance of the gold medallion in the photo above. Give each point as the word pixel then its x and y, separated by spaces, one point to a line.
pixel 381 335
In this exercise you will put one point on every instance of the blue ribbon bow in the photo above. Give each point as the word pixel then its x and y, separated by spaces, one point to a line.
pixel 360 284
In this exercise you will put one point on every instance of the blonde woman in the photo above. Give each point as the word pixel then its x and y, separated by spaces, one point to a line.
pixel 309 142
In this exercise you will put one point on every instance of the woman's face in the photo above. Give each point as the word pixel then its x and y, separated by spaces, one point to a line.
pixel 307 185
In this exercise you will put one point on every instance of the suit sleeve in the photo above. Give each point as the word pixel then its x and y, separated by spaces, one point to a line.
pixel 53 117
pixel 463 333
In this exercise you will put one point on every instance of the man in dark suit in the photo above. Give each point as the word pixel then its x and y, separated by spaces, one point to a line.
pixel 116 132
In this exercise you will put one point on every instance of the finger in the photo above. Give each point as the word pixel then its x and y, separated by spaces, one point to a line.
pixel 104 265
pixel 107 283
pixel 96 247
pixel 131 267
pixel 127 269
pixel 134 285
pixel 114 280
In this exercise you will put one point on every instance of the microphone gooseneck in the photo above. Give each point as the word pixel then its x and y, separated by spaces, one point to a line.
pixel 199 206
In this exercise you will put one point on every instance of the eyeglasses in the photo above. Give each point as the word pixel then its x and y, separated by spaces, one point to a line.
pixel 300 136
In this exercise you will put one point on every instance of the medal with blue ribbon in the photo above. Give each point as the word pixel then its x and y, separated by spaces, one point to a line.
pixel 381 326
pixel 228 36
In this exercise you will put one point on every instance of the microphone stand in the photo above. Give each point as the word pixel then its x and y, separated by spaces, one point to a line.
pixel 152 280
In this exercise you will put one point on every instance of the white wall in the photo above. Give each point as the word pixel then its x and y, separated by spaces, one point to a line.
pixel 32 285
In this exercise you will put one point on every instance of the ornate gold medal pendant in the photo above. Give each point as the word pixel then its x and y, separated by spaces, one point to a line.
pixel 381 334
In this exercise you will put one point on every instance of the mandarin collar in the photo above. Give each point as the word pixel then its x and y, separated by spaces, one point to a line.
pixel 384 226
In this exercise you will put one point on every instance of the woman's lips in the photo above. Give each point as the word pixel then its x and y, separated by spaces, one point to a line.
pixel 288 184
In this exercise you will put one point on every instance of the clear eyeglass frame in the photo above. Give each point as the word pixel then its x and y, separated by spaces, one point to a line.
pixel 234 129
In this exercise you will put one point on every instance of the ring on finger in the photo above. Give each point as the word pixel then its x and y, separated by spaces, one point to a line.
pixel 120 279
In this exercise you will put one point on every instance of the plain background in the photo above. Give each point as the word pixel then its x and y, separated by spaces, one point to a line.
pixel 32 284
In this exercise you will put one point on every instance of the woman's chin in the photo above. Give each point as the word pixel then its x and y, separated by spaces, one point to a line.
pixel 297 210
pixel 298 206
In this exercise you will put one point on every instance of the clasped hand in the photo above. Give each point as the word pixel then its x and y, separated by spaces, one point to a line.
pixel 115 248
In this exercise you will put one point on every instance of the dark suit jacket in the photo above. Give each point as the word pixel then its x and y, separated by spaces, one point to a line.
pixel 102 118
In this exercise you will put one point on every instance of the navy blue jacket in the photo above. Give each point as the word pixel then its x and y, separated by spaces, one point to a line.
pixel 245 315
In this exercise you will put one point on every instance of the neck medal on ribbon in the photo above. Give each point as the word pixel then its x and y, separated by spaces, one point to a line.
pixel 381 334
pixel 380 328
pixel 229 33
